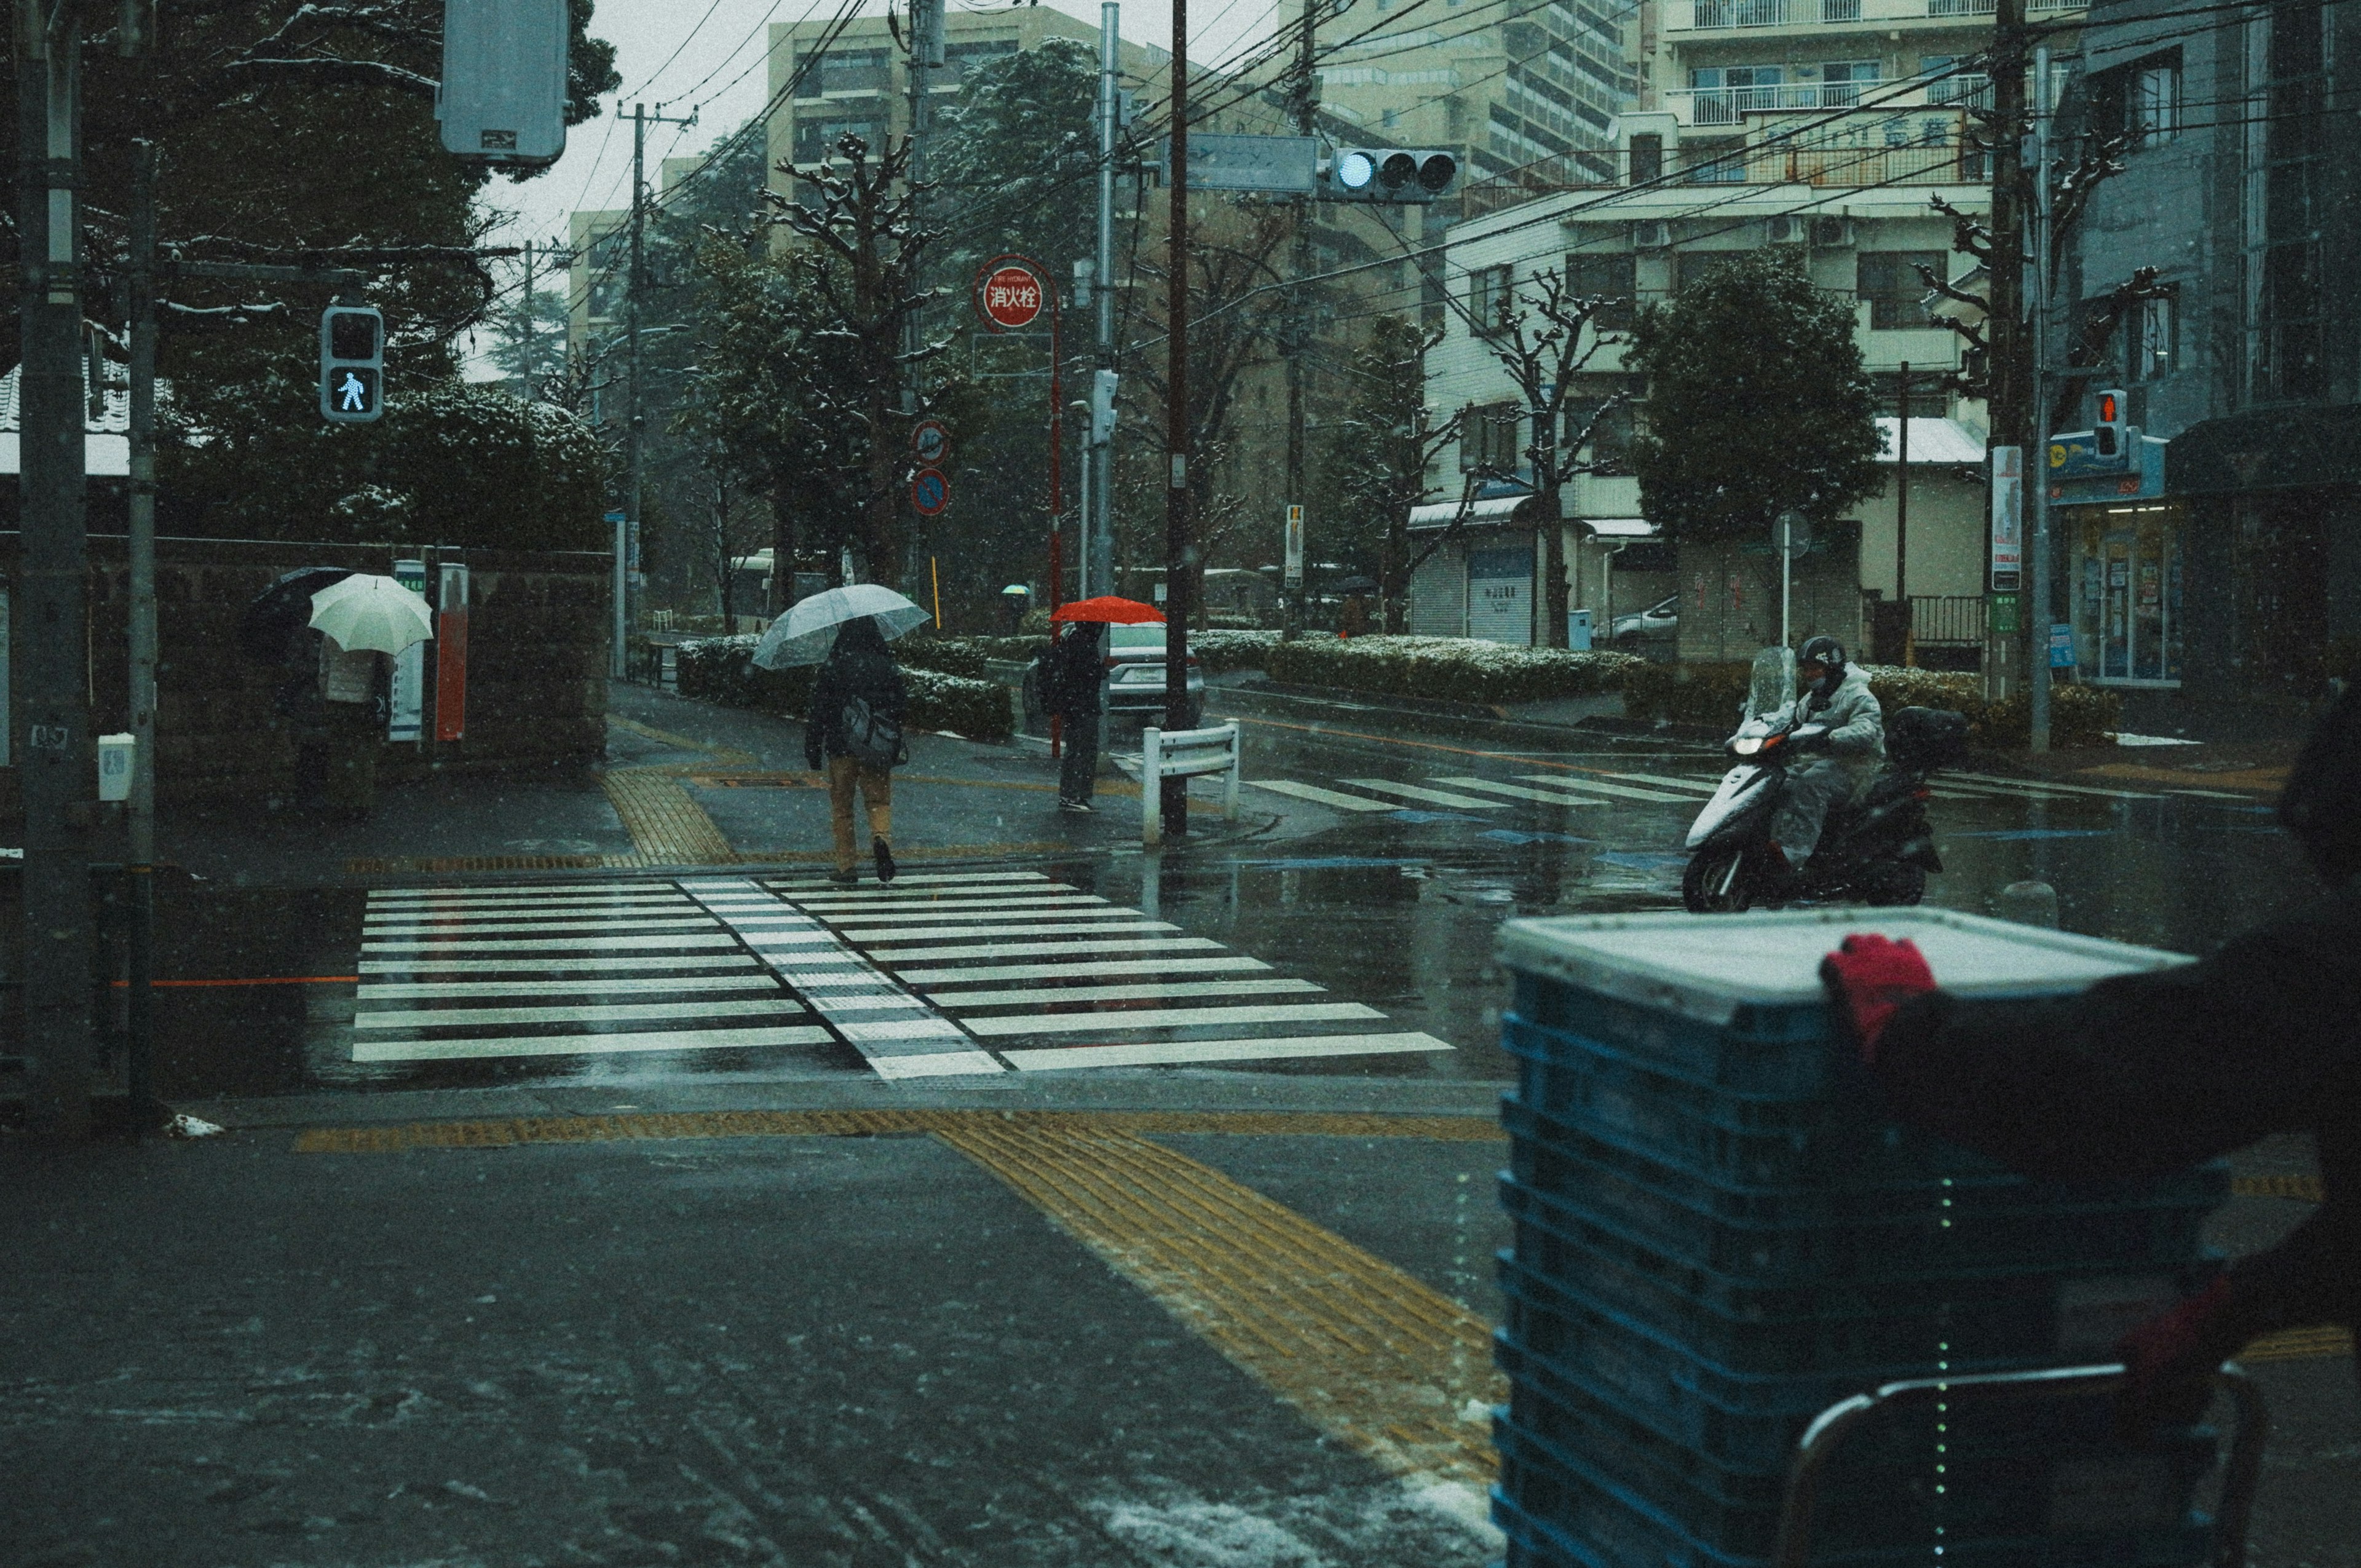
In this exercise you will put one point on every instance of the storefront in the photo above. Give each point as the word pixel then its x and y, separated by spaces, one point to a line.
pixel 1479 580
pixel 2127 581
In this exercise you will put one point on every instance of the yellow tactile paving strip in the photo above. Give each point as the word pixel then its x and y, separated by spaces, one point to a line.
pixel 508 1132
pixel 727 756
pixel 1400 1373
pixel 667 828
pixel 2306 1187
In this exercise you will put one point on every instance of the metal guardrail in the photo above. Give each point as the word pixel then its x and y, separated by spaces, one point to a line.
pixel 1948 620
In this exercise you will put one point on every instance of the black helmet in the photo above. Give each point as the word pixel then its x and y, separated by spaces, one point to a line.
pixel 1828 651
pixel 2316 804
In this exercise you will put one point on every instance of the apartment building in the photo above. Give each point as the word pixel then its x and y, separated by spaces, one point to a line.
pixel 1819 125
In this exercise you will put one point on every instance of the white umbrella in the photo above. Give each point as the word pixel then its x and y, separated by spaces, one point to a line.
pixel 371 612
pixel 806 633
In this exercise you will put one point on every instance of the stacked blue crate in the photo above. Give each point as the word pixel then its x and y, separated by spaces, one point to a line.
pixel 1719 1233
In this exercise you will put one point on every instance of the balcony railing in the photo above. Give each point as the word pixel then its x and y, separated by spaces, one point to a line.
pixel 1733 105
pixel 1724 16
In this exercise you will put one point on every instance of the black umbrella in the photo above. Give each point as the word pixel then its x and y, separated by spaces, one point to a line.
pixel 282 610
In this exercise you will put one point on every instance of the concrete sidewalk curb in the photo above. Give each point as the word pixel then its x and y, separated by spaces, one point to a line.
pixel 1103 1090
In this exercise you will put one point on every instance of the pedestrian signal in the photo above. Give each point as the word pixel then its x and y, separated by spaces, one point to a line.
pixel 2107 435
pixel 352 363
pixel 1388 174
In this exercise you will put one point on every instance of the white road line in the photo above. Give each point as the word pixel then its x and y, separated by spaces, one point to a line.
pixel 588 1044
pixel 959 1003
pixel 618 1013
pixel 1176 1052
pixel 385 927
pixel 1520 792
pixel 1087 945
pixel 941 879
pixel 1419 792
pixel 911 1029
pixel 994 973
pixel 1601 787
pixel 1173 1018
pixel 552 944
pixel 831 910
pixel 952 933
pixel 937 1064
pixel 2047 787
pixel 587 986
pixel 2218 795
pixel 553 966
pixel 898 895
pixel 1102 910
pixel 1705 785
pixel 548 890
pixel 524 909
pixel 1328 797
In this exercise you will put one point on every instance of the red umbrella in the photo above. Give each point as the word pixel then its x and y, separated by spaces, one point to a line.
pixel 1108 608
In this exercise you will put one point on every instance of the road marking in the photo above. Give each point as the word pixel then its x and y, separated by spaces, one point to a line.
pixel 932 878
pixel 1174 1018
pixel 586 1045
pixel 2046 787
pixel 1386 1365
pixel 1085 945
pixel 513 1132
pixel 1705 785
pixel 2306 1189
pixel 454 989
pixel 838 912
pixel 1097 969
pixel 2214 794
pixel 962 1002
pixel 376 926
pixel 2301 1344
pixel 430 965
pixel 553 944
pixel 907 919
pixel 1520 792
pixel 1322 796
pixel 916 1042
pixel 1419 792
pixel 615 1013
pixel 1587 782
pixel 519 908
pixel 895 937
pixel 1170 1053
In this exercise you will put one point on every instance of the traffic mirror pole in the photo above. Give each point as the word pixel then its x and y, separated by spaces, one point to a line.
pixel 1173 802
pixel 1100 551
pixel 141 862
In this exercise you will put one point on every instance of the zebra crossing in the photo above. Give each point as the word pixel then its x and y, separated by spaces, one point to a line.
pixel 945 974
pixel 1589 786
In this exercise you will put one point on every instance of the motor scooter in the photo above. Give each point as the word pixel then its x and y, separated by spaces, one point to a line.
pixel 1875 849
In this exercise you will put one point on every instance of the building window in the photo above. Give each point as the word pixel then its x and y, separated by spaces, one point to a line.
pixel 1492 437
pixel 2285 148
pixel 1842 82
pixel 1889 280
pixel 1610 275
pixel 2139 102
pixel 1647 159
pixel 1928 400
pixel 1490 295
pixel 1713 163
pixel 2151 339
pixel 1610 437
pixel 965 58
pixel 1725 94
pixel 816 137
pixel 853 70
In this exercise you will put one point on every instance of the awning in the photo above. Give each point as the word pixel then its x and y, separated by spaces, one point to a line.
pixel 1495 513
pixel 2270 449
pixel 102 456
pixel 1620 527
pixel 1945 442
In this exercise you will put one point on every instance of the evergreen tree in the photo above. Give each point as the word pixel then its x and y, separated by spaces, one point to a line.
pixel 1757 403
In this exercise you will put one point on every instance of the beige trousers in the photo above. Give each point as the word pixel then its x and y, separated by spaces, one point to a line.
pixel 876 793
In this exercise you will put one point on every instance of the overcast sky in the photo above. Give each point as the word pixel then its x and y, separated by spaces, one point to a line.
pixel 707 55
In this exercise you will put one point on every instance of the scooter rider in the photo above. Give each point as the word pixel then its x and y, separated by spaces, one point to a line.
pixel 1836 695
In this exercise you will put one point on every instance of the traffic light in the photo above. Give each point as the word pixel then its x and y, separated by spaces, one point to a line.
pixel 352 363
pixel 503 98
pixel 1388 174
pixel 2107 435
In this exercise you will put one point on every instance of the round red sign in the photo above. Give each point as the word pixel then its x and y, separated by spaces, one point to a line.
pixel 1012 297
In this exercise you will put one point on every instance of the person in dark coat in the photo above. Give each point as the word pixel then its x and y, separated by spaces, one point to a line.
pixel 2148 1073
pixel 1071 674
pixel 858 665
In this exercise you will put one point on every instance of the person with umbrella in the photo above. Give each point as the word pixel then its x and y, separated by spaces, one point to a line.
pixel 1070 671
pixel 360 618
pixel 852 725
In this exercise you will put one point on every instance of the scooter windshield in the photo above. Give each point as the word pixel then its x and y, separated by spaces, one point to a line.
pixel 1773 683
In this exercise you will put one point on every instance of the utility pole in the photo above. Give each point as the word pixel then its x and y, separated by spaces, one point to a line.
pixel 1099 552
pixel 55 765
pixel 532 333
pixel 1178 550
pixel 2037 608
pixel 141 862
pixel 925 57
pixel 2008 380
pixel 1305 100
pixel 634 432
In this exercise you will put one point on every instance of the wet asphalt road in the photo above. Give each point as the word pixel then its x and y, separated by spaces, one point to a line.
pixel 1393 905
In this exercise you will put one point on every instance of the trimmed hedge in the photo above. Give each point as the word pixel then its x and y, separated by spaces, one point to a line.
pixel 1709 694
pixel 721 670
pixel 1450 669
pixel 1221 650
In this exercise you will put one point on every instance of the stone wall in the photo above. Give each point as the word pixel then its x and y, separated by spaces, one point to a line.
pixel 1730 595
pixel 537 652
